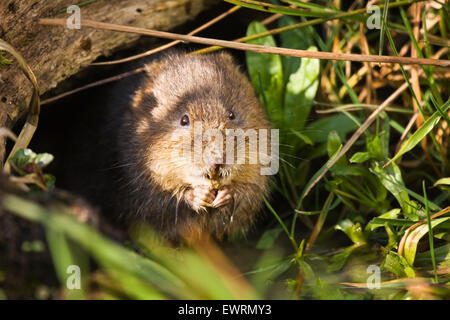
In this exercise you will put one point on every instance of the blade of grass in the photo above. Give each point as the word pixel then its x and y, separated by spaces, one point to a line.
pixel 401 245
pixel 320 221
pixel 430 231
pixel 428 71
pixel 311 6
pixel 272 8
pixel 291 237
pixel 420 133
pixel 391 41
pixel 383 26
pixel 309 186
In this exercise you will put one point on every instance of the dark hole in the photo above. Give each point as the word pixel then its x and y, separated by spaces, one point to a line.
pixel 12 7
pixel 4 99
pixel 139 10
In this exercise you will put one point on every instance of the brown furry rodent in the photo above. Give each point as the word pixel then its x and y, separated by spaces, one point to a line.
pixel 178 197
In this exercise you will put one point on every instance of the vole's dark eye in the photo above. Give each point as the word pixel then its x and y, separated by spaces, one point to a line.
pixel 231 115
pixel 185 120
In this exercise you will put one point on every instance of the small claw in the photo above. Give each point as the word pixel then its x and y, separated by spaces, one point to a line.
pixel 204 204
pixel 224 196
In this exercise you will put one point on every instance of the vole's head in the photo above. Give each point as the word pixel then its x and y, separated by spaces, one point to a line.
pixel 192 116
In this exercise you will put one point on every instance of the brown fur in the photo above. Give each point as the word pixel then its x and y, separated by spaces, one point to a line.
pixel 151 184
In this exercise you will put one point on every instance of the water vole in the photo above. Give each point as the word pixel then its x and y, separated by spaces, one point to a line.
pixel 146 132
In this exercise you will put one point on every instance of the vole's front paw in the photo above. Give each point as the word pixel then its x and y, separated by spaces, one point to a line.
pixel 199 197
pixel 224 196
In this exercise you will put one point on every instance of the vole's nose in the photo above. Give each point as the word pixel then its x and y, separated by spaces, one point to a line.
pixel 213 160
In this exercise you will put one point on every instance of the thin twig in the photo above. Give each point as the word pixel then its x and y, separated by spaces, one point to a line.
pixel 253 47
pixel 408 128
pixel 94 84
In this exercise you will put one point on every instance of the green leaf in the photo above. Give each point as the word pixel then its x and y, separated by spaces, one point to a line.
pixel 49 180
pixel 443 181
pixel 307 269
pixel 389 218
pixel 266 74
pixel 374 147
pixel 339 260
pixel 23 158
pixel 441 253
pixel 352 230
pixel 334 143
pixel 293 39
pixel 4 61
pixel 398 265
pixel 301 89
pixel 421 133
pixel 414 237
pixel 391 178
pixel 319 130
pixel 360 157
pixel 43 159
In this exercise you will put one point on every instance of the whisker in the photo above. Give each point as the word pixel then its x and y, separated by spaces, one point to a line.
pixel 292 156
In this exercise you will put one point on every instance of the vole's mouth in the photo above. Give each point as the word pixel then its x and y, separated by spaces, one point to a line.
pixel 213 176
pixel 217 172
pixel 208 176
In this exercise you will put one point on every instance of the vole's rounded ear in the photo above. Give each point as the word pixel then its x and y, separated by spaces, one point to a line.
pixel 148 102
pixel 144 100
pixel 226 56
